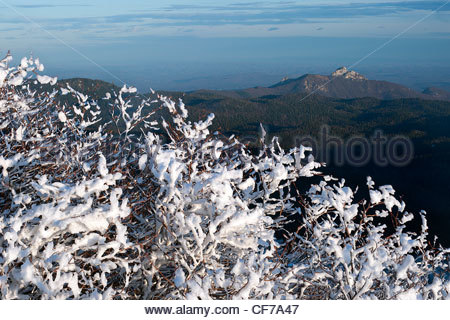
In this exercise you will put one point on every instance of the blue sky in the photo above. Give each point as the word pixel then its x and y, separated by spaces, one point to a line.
pixel 221 44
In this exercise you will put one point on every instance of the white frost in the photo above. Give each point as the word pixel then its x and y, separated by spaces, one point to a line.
pixel 46 80
pixel 62 116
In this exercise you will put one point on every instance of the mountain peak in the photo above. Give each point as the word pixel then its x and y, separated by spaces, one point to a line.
pixel 348 74
pixel 341 84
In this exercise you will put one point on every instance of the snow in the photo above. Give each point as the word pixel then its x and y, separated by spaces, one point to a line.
pixel 85 215
pixel 16 81
pixel 370 182
pixel 19 133
pixel 3 74
pixel 408 263
pixel 62 116
pixel 180 278
pixel 40 66
pixel 143 162
pixel 24 62
pixel 102 165
pixel 27 272
pixel 9 163
pixel 126 89
pixel 46 80
pixel 247 184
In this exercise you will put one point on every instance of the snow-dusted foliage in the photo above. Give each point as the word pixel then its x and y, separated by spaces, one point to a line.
pixel 182 213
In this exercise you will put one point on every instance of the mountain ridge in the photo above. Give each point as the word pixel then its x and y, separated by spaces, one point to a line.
pixel 341 84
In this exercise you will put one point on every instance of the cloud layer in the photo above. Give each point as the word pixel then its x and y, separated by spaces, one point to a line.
pixel 271 14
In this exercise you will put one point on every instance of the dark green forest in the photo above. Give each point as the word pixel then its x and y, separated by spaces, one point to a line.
pixel 424 183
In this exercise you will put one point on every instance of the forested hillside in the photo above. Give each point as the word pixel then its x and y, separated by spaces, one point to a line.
pixel 422 182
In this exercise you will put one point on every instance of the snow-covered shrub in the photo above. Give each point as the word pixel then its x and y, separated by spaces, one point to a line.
pixel 181 213
pixel 342 253
pixel 61 206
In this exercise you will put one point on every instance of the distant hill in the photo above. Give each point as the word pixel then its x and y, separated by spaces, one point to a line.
pixel 342 84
